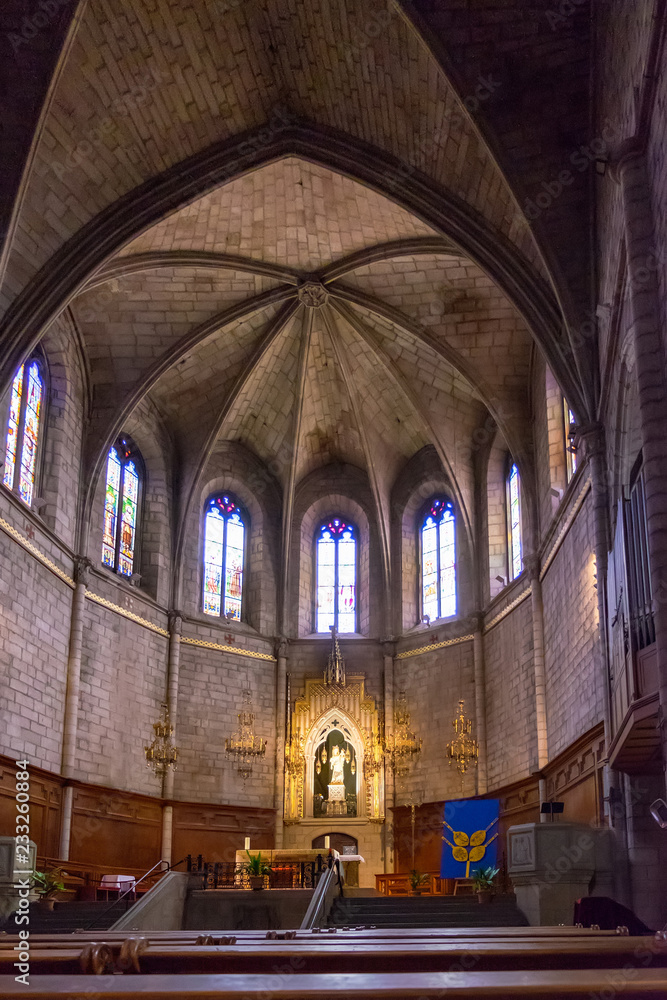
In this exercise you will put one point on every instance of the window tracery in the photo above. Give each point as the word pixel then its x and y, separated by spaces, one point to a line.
pixel 225 526
pixel 336 570
pixel 121 507
pixel 23 430
pixel 438 559
pixel 515 552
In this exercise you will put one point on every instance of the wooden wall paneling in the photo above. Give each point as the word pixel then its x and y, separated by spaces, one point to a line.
pixel 217 832
pixel 573 778
pixel 115 827
pixel 45 803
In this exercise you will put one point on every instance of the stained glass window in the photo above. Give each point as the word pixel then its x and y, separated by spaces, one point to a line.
pixel 121 502
pixel 336 556
pixel 224 549
pixel 25 406
pixel 438 559
pixel 514 522
pixel 570 447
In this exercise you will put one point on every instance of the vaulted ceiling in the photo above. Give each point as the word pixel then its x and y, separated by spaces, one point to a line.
pixel 298 225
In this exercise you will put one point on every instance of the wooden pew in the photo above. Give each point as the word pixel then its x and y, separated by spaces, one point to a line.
pixel 634 984
pixel 357 953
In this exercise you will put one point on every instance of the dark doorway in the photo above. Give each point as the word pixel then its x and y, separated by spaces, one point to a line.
pixel 338 842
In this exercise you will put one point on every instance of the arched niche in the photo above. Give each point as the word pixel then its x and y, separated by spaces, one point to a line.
pixel 421 479
pixel 324 710
pixel 334 729
pixel 345 492
pixel 236 470
pixel 153 557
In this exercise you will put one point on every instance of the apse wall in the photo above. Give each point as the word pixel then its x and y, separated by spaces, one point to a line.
pixel 35 605
pixel 211 686
pixel 123 682
pixel 571 635
pixel 434 681
pixel 511 733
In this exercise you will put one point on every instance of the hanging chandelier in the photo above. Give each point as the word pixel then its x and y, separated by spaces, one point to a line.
pixel 162 753
pixel 463 750
pixel 244 746
pixel 295 753
pixel 403 746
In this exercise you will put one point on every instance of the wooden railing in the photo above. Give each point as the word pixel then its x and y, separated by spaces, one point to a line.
pixel 83 879
pixel 398 884
pixel 230 875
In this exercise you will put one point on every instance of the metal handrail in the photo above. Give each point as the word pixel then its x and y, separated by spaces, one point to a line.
pixel 319 896
pixel 132 889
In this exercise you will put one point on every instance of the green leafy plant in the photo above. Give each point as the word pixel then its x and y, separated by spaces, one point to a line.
pixel 483 878
pixel 48 883
pixel 254 866
pixel 417 879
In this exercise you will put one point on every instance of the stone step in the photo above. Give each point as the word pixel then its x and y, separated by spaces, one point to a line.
pixel 73 915
pixel 415 911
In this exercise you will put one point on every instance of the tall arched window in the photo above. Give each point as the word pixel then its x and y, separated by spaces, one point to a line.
pixel 438 559
pixel 224 555
pixel 121 508
pixel 336 555
pixel 569 424
pixel 25 407
pixel 515 557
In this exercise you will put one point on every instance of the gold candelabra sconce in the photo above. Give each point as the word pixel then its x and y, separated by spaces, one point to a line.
pixel 374 749
pixel 463 750
pixel 162 753
pixel 295 754
pixel 403 746
pixel 244 746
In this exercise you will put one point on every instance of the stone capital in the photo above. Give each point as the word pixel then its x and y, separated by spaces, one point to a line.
pixel 531 562
pixel 82 568
pixel 388 646
pixel 475 621
pixel 593 438
pixel 282 647
pixel 175 622
pixel 623 155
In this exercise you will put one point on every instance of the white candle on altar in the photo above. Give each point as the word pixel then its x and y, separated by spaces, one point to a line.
pixel 327 843
pixel 247 843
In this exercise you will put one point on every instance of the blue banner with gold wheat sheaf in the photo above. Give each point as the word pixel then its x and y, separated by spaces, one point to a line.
pixel 469 836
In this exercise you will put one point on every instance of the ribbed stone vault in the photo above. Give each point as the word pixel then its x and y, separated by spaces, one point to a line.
pixel 310 321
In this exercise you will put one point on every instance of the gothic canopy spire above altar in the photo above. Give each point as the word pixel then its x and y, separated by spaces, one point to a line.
pixel 335 670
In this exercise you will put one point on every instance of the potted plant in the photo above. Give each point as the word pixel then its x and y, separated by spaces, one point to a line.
pixel 482 883
pixel 256 869
pixel 418 881
pixel 46 885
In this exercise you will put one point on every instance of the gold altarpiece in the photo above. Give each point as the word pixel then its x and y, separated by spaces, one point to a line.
pixel 344 717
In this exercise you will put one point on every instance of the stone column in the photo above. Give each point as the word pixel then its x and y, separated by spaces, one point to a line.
pixel 532 564
pixel 173 666
pixel 389 783
pixel 280 724
pixel 477 622
pixel 650 359
pixel 593 439
pixel 71 719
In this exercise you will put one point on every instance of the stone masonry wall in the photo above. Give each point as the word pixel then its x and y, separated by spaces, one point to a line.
pixel 34 639
pixel 434 682
pixel 574 692
pixel 123 682
pixel 211 690
pixel 511 737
